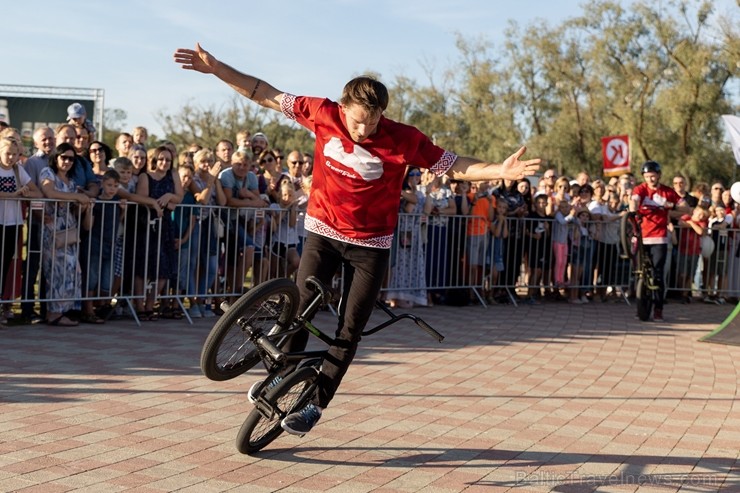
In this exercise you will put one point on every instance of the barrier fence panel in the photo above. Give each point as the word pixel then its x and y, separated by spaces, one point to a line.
pixel 68 259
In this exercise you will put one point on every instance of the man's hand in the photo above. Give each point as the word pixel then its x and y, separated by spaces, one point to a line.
pixel 198 59
pixel 514 169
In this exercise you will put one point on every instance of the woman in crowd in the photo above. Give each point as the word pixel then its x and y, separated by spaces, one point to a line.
pixel 606 236
pixel 159 261
pixel 271 176
pixel 518 208
pixel 408 284
pixel 138 156
pixel 60 262
pixel 438 205
pixel 99 155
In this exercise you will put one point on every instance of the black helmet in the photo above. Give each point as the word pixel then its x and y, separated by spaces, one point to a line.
pixel 651 167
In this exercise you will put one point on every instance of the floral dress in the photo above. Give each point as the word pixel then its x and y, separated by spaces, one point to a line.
pixel 61 266
pixel 410 261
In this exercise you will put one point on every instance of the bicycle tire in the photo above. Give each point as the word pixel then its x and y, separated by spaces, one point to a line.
pixel 292 393
pixel 644 299
pixel 227 351
pixel 628 230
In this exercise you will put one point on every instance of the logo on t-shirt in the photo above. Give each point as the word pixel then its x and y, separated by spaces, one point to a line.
pixel 655 200
pixel 365 164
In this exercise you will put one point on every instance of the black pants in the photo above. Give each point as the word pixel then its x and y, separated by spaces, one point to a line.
pixel 658 254
pixel 364 269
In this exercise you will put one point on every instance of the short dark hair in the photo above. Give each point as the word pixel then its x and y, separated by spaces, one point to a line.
pixel 366 91
pixel 111 174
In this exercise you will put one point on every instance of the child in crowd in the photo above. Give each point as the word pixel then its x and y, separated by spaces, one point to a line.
pixel 98 250
pixel 538 231
pixel 125 169
pixel 564 217
pixel 715 265
pixel 693 226
pixel 581 244
pixel 499 232
pixel 186 228
pixel 285 231
pixel 302 205
pixel 478 228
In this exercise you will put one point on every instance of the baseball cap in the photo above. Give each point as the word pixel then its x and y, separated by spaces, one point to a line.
pixel 75 110
pixel 260 135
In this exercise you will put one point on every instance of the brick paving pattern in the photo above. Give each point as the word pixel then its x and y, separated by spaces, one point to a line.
pixel 536 398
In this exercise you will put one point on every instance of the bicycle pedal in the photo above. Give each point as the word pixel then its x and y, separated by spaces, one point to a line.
pixel 264 409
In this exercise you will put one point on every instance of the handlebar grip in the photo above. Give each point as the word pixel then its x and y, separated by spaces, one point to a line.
pixel 429 329
pixel 272 351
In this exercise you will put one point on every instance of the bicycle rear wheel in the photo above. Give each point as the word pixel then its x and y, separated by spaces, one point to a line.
pixel 291 394
pixel 270 307
pixel 644 297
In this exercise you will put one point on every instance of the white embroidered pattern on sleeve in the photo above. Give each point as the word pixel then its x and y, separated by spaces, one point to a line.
pixel 444 164
pixel 286 105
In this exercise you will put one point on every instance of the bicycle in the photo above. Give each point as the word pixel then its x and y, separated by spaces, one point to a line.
pixel 633 248
pixel 253 330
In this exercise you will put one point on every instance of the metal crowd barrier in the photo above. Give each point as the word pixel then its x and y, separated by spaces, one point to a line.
pixel 433 259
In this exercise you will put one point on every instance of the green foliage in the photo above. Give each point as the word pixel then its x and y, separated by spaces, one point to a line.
pixel 206 125
pixel 663 73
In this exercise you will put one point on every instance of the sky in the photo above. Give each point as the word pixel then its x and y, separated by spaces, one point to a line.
pixel 125 47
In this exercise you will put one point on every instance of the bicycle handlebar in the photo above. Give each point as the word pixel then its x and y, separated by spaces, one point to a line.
pixel 395 318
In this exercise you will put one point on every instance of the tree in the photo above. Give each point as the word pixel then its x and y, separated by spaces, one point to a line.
pixel 207 125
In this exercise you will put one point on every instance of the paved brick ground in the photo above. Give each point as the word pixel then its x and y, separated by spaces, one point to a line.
pixel 537 398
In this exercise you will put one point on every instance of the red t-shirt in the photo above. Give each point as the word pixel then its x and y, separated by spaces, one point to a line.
pixel 654 215
pixel 356 187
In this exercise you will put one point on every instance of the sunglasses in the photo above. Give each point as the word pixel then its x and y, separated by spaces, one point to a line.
pixel 415 173
pixel 96 149
pixel 268 160
pixel 68 159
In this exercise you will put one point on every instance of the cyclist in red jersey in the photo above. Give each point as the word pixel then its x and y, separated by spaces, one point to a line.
pixel 654 201
pixel 360 160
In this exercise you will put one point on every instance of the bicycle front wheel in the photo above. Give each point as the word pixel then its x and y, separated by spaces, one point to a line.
pixel 291 394
pixel 270 307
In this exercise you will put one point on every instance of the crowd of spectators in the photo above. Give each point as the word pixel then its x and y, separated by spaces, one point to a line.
pixel 160 224
pixel 149 223
pixel 557 238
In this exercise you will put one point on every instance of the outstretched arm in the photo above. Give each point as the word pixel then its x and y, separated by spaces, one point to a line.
pixel 472 169
pixel 248 86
